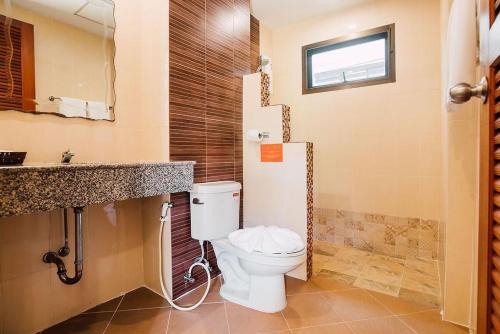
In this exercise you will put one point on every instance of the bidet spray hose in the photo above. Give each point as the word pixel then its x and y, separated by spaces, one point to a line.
pixel 163 220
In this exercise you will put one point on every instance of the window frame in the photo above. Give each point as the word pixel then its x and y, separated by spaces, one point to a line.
pixel 339 42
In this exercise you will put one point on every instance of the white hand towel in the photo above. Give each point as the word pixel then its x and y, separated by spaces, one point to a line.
pixel 71 107
pixel 461 47
pixel 267 240
pixel 98 110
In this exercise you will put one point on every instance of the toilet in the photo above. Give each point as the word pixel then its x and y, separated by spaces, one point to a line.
pixel 252 279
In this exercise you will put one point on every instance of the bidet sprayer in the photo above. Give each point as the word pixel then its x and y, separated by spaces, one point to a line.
pixel 164 211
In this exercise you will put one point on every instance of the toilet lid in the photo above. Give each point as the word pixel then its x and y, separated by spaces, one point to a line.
pixel 267 240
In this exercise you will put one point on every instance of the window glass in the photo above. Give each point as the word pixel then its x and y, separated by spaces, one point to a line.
pixel 352 63
pixel 367 58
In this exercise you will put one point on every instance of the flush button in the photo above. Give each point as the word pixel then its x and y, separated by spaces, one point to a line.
pixel 197 201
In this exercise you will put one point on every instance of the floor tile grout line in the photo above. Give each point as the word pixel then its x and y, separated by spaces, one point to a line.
pixel 227 318
pixel 145 308
pixel 323 291
pixel 365 291
pixel 286 321
pixel 346 323
pixel 320 325
pixel 417 312
pixel 168 321
pixel 402 277
pixel 406 325
pixel 349 328
pixel 400 314
pixel 379 318
pixel 112 317
pixel 380 302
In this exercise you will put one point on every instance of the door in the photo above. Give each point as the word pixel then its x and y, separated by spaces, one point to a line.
pixel 488 315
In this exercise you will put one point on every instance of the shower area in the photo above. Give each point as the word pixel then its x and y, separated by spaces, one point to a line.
pixel 387 254
pixel 378 151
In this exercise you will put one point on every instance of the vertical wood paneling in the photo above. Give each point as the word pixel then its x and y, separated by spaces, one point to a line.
pixel 17 65
pixel 209 54
pixel 255 43
pixel 494 238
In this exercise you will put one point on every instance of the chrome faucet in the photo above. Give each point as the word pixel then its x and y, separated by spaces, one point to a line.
pixel 66 157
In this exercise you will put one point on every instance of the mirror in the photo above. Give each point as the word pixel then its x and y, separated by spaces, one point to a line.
pixel 57 57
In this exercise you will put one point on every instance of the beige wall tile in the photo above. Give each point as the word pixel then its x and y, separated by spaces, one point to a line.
pixel 23 241
pixel 27 298
pixel 130 243
pixel 66 301
pixel 360 147
pixel 150 229
pixel 113 251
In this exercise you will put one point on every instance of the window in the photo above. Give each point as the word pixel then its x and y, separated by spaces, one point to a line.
pixel 363 59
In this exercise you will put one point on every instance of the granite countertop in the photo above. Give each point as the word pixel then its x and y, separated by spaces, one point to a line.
pixel 94 165
pixel 37 188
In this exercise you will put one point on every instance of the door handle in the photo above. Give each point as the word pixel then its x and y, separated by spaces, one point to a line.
pixel 197 201
pixel 463 92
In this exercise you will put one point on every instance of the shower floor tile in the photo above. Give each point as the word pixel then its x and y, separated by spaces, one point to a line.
pixel 411 278
pixel 391 290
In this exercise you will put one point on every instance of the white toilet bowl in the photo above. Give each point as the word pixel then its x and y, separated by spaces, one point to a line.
pixel 255 280
pixel 251 279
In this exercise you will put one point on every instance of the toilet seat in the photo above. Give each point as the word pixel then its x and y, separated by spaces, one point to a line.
pixel 277 259
pixel 267 240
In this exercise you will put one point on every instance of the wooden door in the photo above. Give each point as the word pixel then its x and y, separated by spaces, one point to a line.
pixel 489 188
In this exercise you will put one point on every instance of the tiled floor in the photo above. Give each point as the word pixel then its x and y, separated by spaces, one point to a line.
pixel 411 278
pixel 321 305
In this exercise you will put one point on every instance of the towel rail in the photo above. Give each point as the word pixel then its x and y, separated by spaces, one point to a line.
pixel 53 98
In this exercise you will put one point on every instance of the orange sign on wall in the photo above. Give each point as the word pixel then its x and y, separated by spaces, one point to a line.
pixel 271 153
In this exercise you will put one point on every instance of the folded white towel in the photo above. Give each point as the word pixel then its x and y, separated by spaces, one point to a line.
pixel 267 240
pixel 72 107
pixel 97 110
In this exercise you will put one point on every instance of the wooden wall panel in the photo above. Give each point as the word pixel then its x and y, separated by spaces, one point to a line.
pixel 255 43
pixel 209 54
pixel 17 65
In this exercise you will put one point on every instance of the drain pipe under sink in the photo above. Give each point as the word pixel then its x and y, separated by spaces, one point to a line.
pixel 201 261
pixel 53 257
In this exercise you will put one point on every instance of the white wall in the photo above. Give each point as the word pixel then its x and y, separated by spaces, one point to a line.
pixel 275 193
pixel 460 214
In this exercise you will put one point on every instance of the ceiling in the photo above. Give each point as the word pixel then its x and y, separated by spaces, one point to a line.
pixel 277 13
pixel 89 15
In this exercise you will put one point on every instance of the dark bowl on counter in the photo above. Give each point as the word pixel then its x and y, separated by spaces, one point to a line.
pixel 12 158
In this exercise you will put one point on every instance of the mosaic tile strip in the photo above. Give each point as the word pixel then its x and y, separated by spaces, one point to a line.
pixel 310 208
pixel 265 93
pixel 382 234
pixel 286 124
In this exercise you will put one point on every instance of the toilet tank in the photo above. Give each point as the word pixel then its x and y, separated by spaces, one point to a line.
pixel 215 209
